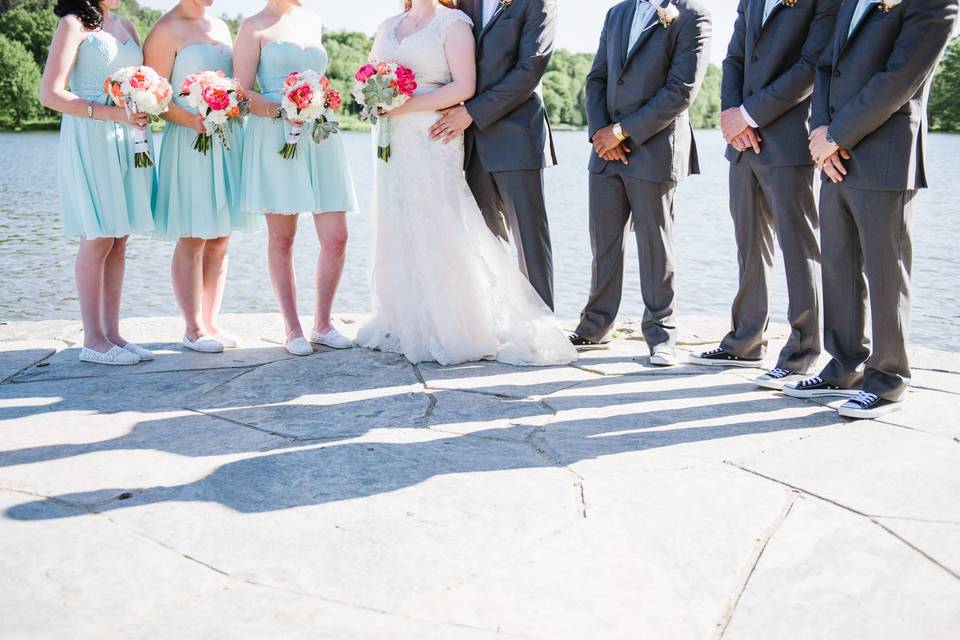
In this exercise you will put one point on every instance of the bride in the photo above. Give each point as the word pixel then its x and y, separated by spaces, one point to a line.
pixel 445 289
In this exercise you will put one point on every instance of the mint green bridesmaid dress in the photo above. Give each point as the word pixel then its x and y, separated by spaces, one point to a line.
pixel 198 195
pixel 318 179
pixel 102 194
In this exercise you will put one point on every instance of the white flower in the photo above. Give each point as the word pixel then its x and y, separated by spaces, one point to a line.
pixel 667 14
pixel 887 5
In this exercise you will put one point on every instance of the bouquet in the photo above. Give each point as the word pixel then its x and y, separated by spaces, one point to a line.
pixel 220 102
pixel 139 90
pixel 308 97
pixel 381 87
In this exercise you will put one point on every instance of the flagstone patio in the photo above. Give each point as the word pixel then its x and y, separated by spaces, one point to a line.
pixel 352 495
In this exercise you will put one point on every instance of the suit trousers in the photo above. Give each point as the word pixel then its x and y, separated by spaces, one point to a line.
pixel 513 204
pixel 867 244
pixel 616 201
pixel 767 201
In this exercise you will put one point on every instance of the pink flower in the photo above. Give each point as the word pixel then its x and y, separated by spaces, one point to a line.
pixel 216 99
pixel 383 68
pixel 333 99
pixel 292 79
pixel 301 96
pixel 406 81
pixel 366 72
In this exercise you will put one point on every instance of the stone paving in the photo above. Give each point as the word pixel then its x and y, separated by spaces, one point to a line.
pixel 351 495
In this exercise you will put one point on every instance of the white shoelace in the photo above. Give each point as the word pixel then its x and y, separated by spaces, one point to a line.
pixel 810 382
pixel 779 373
pixel 864 398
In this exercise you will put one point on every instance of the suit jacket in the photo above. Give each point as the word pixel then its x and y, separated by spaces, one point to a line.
pixel 649 89
pixel 872 89
pixel 511 131
pixel 770 70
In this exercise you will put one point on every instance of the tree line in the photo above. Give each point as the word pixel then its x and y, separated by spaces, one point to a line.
pixel 26 27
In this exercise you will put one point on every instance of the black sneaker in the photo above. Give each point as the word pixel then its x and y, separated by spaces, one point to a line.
pixel 723 358
pixel 582 344
pixel 816 387
pixel 866 405
pixel 776 378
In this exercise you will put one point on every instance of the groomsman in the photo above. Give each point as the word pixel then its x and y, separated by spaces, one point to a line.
pixel 768 78
pixel 650 64
pixel 869 119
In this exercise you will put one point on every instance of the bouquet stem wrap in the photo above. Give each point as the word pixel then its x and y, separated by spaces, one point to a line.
pixel 141 148
pixel 383 145
pixel 289 150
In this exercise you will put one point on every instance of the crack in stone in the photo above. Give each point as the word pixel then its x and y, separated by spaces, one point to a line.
pixel 283 436
pixel 867 516
pixel 724 623
pixel 216 387
pixel 148 373
pixel 9 379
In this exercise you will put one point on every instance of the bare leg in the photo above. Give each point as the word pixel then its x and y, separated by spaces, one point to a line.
pixel 214 278
pixel 187 272
pixel 89 275
pixel 113 271
pixel 332 232
pixel 283 231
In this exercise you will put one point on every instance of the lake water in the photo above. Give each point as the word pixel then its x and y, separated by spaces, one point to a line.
pixel 36 263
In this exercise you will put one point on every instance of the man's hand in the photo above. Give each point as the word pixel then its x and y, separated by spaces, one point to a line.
pixel 618 154
pixel 820 149
pixel 747 139
pixel 604 141
pixel 833 166
pixel 454 122
pixel 732 124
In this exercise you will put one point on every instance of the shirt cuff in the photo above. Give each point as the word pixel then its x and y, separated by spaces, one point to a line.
pixel 746 116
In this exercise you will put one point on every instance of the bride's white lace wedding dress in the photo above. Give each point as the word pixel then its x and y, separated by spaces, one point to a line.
pixel 445 289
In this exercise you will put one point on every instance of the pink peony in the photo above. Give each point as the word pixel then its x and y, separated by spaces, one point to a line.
pixel 302 96
pixel 216 99
pixel 333 99
pixel 292 79
pixel 366 72
pixel 406 81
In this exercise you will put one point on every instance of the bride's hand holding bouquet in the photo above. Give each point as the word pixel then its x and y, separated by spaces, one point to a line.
pixel 380 89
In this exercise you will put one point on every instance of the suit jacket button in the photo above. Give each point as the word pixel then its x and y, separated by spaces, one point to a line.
pixel 836 73
pixel 754 59
pixel 620 82
pixel 616 113
pixel 832 110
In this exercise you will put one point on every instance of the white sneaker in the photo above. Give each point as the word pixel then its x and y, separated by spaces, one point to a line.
pixel 115 356
pixel 228 341
pixel 333 339
pixel 299 347
pixel 866 405
pixel 663 356
pixel 203 344
pixel 776 378
pixel 140 352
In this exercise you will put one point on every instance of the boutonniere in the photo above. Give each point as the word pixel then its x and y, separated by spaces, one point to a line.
pixel 667 13
pixel 789 3
pixel 886 6
pixel 505 4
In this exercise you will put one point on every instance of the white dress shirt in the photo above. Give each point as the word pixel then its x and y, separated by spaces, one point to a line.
pixel 862 7
pixel 641 20
pixel 489 8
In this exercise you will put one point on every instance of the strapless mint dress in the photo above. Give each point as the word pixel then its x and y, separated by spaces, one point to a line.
pixel 102 194
pixel 318 179
pixel 198 196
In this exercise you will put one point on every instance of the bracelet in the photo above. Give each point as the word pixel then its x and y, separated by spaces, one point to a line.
pixel 278 115
pixel 90 110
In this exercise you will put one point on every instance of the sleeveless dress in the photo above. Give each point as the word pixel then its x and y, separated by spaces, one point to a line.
pixel 102 194
pixel 445 289
pixel 198 196
pixel 318 179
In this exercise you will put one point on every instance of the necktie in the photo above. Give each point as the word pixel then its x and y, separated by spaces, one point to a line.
pixel 640 19
pixel 862 7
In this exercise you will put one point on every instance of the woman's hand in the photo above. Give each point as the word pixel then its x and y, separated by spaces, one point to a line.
pixel 196 123
pixel 294 123
pixel 136 120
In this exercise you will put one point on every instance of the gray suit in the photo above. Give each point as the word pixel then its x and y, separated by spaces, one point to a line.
pixel 510 143
pixel 648 90
pixel 871 91
pixel 770 70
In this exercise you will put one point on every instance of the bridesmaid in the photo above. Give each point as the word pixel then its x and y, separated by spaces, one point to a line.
pixel 280 39
pixel 104 198
pixel 196 204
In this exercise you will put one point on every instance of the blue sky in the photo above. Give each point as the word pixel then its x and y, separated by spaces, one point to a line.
pixel 580 20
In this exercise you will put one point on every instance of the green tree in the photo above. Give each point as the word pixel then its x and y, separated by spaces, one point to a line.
pixel 19 83
pixel 32 29
pixel 348 51
pixel 705 110
pixel 945 92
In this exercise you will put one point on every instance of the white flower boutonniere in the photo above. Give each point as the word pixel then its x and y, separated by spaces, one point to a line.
pixel 789 3
pixel 887 6
pixel 505 4
pixel 667 13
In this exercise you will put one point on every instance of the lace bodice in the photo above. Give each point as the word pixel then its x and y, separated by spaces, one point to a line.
pixel 101 54
pixel 423 50
pixel 201 56
pixel 278 58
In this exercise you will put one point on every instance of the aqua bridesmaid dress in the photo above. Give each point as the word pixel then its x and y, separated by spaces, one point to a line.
pixel 198 195
pixel 318 179
pixel 102 194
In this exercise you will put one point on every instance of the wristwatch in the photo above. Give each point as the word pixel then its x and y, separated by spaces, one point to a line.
pixel 618 132
pixel 90 110
pixel 830 139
